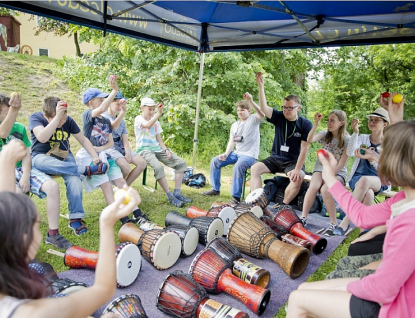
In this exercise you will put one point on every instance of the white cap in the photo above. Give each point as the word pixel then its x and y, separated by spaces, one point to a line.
pixel 147 101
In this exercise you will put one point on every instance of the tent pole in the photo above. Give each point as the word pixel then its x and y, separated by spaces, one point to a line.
pixel 199 94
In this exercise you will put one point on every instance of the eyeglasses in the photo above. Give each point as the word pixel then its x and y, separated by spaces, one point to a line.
pixel 375 121
pixel 288 108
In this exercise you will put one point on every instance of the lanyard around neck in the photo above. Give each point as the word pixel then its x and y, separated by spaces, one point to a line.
pixel 295 126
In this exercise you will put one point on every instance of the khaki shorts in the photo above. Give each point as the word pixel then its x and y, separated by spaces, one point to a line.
pixel 153 159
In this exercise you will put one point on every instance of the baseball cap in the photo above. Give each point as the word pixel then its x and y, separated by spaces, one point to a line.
pixel 380 112
pixel 92 93
pixel 119 96
pixel 146 101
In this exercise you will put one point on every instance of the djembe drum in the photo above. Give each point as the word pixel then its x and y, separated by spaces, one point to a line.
pixel 220 203
pixel 128 261
pixel 283 234
pixel 257 197
pixel 189 235
pixel 241 268
pixel 243 207
pixel 213 273
pixel 225 212
pixel 181 296
pixel 160 247
pixel 126 306
pixel 66 286
pixel 253 237
pixel 208 227
pixel 286 216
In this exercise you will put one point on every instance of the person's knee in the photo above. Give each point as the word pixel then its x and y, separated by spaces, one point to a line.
pixel 363 183
pixel 158 171
pixel 256 169
pixel 139 162
pixel 181 166
pixel 50 187
pixel 124 165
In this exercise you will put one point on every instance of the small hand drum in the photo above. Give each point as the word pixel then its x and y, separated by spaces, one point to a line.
pixel 242 207
pixel 257 197
pixel 180 296
pixel 127 306
pixel 189 236
pixel 226 213
pixel 65 286
pixel 208 228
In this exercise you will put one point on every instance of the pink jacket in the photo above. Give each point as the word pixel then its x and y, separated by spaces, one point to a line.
pixel 393 283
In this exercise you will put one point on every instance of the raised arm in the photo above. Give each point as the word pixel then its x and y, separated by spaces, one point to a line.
pixel 151 122
pixel 262 99
pixel 259 114
pixel 6 125
pixel 43 133
pixel 107 101
pixel 11 153
pixel 312 137
pixel 354 138
pixel 116 123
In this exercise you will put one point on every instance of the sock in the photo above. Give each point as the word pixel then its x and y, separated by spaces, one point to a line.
pixel 53 232
pixel 124 219
pixel 169 195
pixel 177 192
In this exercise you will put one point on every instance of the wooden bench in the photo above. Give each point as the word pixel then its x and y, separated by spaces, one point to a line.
pixel 307 178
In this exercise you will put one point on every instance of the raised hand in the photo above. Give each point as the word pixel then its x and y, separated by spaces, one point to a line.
pixel 355 125
pixel 259 79
pixel 113 82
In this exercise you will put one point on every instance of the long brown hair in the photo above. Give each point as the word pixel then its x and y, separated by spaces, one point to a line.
pixel 18 214
pixel 341 115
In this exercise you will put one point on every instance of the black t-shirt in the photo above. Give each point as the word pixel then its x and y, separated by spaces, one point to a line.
pixel 290 134
pixel 61 135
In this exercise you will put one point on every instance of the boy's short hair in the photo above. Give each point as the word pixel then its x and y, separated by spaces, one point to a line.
pixel 91 93
pixel 4 99
pixel 147 101
pixel 243 104
pixel 294 98
pixel 49 106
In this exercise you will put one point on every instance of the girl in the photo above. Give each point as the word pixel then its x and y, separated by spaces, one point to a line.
pixel 389 292
pixel 363 178
pixel 334 140
pixel 21 290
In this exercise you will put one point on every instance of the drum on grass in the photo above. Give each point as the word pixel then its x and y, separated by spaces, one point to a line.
pixel 65 286
pixel 257 197
pixel 147 226
pixel 213 273
pixel 225 212
pixel 126 306
pixel 286 216
pixel 242 207
pixel 218 203
pixel 189 236
pixel 128 261
pixel 242 268
pixel 253 237
pixel 208 227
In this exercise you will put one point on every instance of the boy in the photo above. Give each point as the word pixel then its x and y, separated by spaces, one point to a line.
pixel 245 137
pixel 121 151
pixel 152 148
pixel 26 178
pixel 98 130
pixel 51 154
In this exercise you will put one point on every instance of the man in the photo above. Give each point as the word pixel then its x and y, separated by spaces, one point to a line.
pixel 290 146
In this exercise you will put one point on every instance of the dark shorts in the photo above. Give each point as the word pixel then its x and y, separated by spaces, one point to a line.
pixel 275 165
pixel 354 179
pixel 360 308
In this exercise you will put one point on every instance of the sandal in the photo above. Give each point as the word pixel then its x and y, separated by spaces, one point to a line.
pixel 98 169
pixel 78 227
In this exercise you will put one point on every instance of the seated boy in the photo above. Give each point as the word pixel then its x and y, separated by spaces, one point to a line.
pixel 98 130
pixel 244 136
pixel 152 148
pixel 121 151
pixel 28 179
pixel 51 154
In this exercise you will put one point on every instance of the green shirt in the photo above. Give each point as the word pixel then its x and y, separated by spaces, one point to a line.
pixel 18 131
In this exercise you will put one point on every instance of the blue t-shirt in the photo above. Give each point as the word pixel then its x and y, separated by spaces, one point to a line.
pixel 295 131
pixel 61 135
pixel 97 129
pixel 117 133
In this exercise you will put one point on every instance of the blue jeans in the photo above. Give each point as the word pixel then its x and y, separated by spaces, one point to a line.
pixel 69 171
pixel 242 163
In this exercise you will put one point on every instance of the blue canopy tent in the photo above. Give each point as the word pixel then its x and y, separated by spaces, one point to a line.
pixel 220 26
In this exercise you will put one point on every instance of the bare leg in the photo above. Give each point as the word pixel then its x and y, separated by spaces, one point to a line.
pixel 140 165
pixel 257 170
pixel 178 178
pixel 124 166
pixel 107 190
pixel 163 183
pixel 329 202
pixel 51 188
pixel 310 196
pixel 292 189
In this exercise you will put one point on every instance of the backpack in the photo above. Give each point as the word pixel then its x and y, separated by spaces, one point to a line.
pixel 275 189
pixel 197 181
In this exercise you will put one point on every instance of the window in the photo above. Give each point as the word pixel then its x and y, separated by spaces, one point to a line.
pixel 43 52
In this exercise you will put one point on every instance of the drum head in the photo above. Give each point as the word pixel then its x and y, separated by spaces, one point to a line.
pixel 257 211
pixel 227 214
pixel 128 264
pixel 190 241
pixel 65 286
pixel 166 250
pixel 254 195
pixel 215 229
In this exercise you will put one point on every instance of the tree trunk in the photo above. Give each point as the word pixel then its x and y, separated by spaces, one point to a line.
pixel 78 49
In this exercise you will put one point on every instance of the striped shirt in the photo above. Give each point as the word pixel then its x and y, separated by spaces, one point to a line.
pixel 146 137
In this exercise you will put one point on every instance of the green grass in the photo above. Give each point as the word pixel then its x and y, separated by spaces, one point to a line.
pixel 37 78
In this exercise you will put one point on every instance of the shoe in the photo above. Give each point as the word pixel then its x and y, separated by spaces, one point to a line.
pixel 176 202
pixel 340 232
pixel 139 217
pixel 304 221
pixel 100 168
pixel 211 192
pixel 58 241
pixel 330 230
pixel 181 197
pixel 78 227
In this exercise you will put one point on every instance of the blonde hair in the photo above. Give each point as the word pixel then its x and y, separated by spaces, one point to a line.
pixel 243 104
pixel 341 115
pixel 397 160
